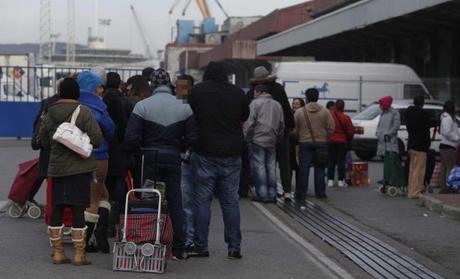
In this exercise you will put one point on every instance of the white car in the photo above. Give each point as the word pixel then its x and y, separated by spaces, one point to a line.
pixel 365 140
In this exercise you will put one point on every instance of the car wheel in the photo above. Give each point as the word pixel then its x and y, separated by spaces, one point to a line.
pixel 365 155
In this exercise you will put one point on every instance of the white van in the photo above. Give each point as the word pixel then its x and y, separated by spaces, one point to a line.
pixel 358 84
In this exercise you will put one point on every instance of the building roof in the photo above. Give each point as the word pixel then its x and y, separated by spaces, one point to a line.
pixel 354 16
pixel 275 22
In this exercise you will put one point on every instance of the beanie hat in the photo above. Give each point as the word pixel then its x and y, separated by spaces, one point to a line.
pixel 88 81
pixel 101 73
pixel 160 77
pixel 69 89
pixel 386 102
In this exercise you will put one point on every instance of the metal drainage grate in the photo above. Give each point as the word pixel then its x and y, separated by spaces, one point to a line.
pixel 374 256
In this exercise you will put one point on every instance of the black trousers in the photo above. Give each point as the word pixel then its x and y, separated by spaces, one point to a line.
pixel 284 163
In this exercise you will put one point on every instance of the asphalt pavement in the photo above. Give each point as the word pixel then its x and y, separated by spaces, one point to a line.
pixel 431 238
pixel 268 250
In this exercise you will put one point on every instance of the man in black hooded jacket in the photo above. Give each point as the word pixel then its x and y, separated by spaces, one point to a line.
pixel 219 109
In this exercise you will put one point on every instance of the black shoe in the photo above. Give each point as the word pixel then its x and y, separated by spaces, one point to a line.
pixel 256 199
pixel 234 255
pixel 321 196
pixel 197 253
pixel 180 255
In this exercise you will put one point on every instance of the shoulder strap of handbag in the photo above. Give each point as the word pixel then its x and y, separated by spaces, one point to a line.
pixel 342 126
pixel 310 128
pixel 75 114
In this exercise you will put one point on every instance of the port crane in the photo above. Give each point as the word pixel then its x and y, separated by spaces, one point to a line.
pixel 140 26
pixel 202 5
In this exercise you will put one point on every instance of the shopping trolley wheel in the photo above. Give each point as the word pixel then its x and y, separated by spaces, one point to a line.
pixel 34 211
pixel 382 189
pixel 16 211
pixel 392 191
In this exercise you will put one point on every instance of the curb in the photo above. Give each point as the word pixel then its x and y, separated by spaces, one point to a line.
pixel 438 206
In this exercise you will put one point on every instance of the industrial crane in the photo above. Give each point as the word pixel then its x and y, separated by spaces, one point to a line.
pixel 202 5
pixel 140 26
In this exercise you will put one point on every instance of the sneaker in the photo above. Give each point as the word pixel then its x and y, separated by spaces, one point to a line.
pixel 342 184
pixel 234 255
pixel 330 183
pixel 197 253
pixel 287 197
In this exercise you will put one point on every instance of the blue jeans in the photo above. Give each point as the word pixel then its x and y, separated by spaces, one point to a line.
pixel 187 204
pixel 307 158
pixel 263 165
pixel 220 175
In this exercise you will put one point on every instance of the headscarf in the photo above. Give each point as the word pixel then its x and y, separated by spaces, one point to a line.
pixel 386 102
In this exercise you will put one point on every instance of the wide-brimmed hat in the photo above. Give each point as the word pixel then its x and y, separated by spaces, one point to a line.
pixel 261 74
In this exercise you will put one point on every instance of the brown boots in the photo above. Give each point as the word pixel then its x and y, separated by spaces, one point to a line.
pixel 79 243
pixel 59 256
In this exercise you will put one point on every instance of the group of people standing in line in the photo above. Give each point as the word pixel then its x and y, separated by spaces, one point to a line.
pixel 420 159
pixel 194 148
pixel 211 146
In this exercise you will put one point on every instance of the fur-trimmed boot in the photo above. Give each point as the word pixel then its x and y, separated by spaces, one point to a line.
pixel 91 220
pixel 79 243
pixel 57 245
pixel 102 226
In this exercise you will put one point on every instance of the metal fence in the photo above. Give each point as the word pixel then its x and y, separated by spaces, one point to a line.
pixel 34 83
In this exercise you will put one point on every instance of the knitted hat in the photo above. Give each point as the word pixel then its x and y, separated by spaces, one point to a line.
pixel 160 77
pixel 88 81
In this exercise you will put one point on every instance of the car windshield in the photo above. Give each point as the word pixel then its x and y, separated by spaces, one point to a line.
pixel 369 113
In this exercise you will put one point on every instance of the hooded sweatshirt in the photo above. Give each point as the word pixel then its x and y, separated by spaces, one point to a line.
pixel 321 121
pixel 449 131
pixel 219 109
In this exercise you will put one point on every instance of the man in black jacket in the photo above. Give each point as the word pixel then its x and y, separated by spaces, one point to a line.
pixel 219 109
pixel 262 76
pixel 418 122
pixel 117 168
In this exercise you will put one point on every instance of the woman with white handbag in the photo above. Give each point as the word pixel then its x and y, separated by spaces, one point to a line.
pixel 97 214
pixel 70 131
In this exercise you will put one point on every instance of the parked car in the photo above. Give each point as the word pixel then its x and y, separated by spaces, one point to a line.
pixel 365 141
pixel 358 84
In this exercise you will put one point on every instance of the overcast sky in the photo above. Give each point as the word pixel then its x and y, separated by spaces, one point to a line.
pixel 19 20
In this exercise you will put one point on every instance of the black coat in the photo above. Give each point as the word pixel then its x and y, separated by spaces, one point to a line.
pixel 219 108
pixel 278 94
pixel 418 123
pixel 116 109
pixel 44 156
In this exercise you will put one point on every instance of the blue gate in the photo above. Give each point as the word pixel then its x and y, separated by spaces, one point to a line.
pixel 17 118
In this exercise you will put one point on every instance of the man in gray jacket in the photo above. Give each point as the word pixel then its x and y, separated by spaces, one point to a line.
pixel 263 130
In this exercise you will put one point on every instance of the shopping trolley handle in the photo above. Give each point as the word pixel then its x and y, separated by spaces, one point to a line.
pixel 143 190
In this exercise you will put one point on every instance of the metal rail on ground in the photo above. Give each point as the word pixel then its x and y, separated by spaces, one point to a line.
pixel 371 254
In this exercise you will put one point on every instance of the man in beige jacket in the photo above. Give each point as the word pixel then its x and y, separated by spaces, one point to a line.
pixel 313 125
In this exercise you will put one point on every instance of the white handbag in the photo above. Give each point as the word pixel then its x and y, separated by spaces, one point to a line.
pixel 72 137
